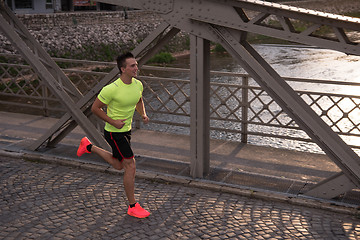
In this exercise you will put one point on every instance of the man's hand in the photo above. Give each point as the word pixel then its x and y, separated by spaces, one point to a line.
pixel 145 119
pixel 141 110
pixel 119 123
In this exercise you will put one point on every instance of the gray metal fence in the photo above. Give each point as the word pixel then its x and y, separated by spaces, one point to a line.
pixel 238 106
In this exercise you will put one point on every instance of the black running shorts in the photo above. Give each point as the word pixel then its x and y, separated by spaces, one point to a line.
pixel 120 144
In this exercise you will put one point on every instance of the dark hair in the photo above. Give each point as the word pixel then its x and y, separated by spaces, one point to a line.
pixel 121 60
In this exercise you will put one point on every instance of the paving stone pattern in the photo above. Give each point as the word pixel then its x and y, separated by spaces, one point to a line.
pixel 49 201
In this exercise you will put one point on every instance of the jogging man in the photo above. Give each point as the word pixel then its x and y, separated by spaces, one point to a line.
pixel 121 98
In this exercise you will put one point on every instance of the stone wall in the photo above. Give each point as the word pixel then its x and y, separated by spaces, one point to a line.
pixel 34 21
pixel 70 32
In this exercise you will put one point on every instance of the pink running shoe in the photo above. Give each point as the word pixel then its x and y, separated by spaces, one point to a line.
pixel 82 148
pixel 138 211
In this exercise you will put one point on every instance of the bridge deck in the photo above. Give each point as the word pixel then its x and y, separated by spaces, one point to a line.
pixel 255 167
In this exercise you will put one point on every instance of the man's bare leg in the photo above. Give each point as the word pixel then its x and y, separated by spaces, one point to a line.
pixel 129 179
pixel 129 170
pixel 108 157
pixel 128 165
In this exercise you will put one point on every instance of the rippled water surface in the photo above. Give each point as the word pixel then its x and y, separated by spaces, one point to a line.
pixel 296 62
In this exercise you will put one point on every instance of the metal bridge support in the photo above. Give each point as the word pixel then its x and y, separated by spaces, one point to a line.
pixel 296 108
pixel 47 70
pixel 200 106
pixel 66 124
pixel 332 187
pixel 225 22
pixel 228 21
pixel 78 105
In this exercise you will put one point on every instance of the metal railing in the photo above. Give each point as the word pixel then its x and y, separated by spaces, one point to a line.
pixel 239 108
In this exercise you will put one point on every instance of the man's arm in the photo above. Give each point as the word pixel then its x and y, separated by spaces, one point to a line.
pixel 140 108
pixel 97 109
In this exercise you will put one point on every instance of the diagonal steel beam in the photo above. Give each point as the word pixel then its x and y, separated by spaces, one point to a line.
pixel 46 76
pixel 232 18
pixel 58 129
pixel 331 187
pixel 161 35
pixel 238 14
pixel 226 14
pixel 38 51
pixel 224 21
pixel 155 46
pixel 293 104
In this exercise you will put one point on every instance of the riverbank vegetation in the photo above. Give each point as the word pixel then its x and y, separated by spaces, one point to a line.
pixel 162 58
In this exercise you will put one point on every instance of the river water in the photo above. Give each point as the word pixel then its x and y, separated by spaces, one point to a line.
pixel 288 61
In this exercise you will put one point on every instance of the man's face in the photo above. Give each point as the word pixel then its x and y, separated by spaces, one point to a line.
pixel 131 67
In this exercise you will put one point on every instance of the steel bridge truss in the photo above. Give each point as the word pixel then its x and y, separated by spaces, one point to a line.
pixel 227 22
pixel 77 105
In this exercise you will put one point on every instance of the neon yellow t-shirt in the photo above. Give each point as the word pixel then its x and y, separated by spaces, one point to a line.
pixel 121 100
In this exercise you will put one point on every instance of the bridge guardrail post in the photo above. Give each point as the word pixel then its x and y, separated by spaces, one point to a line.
pixel 244 109
pixel 45 95
pixel 137 121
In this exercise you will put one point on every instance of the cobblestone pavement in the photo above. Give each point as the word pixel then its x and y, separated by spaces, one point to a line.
pixel 50 201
